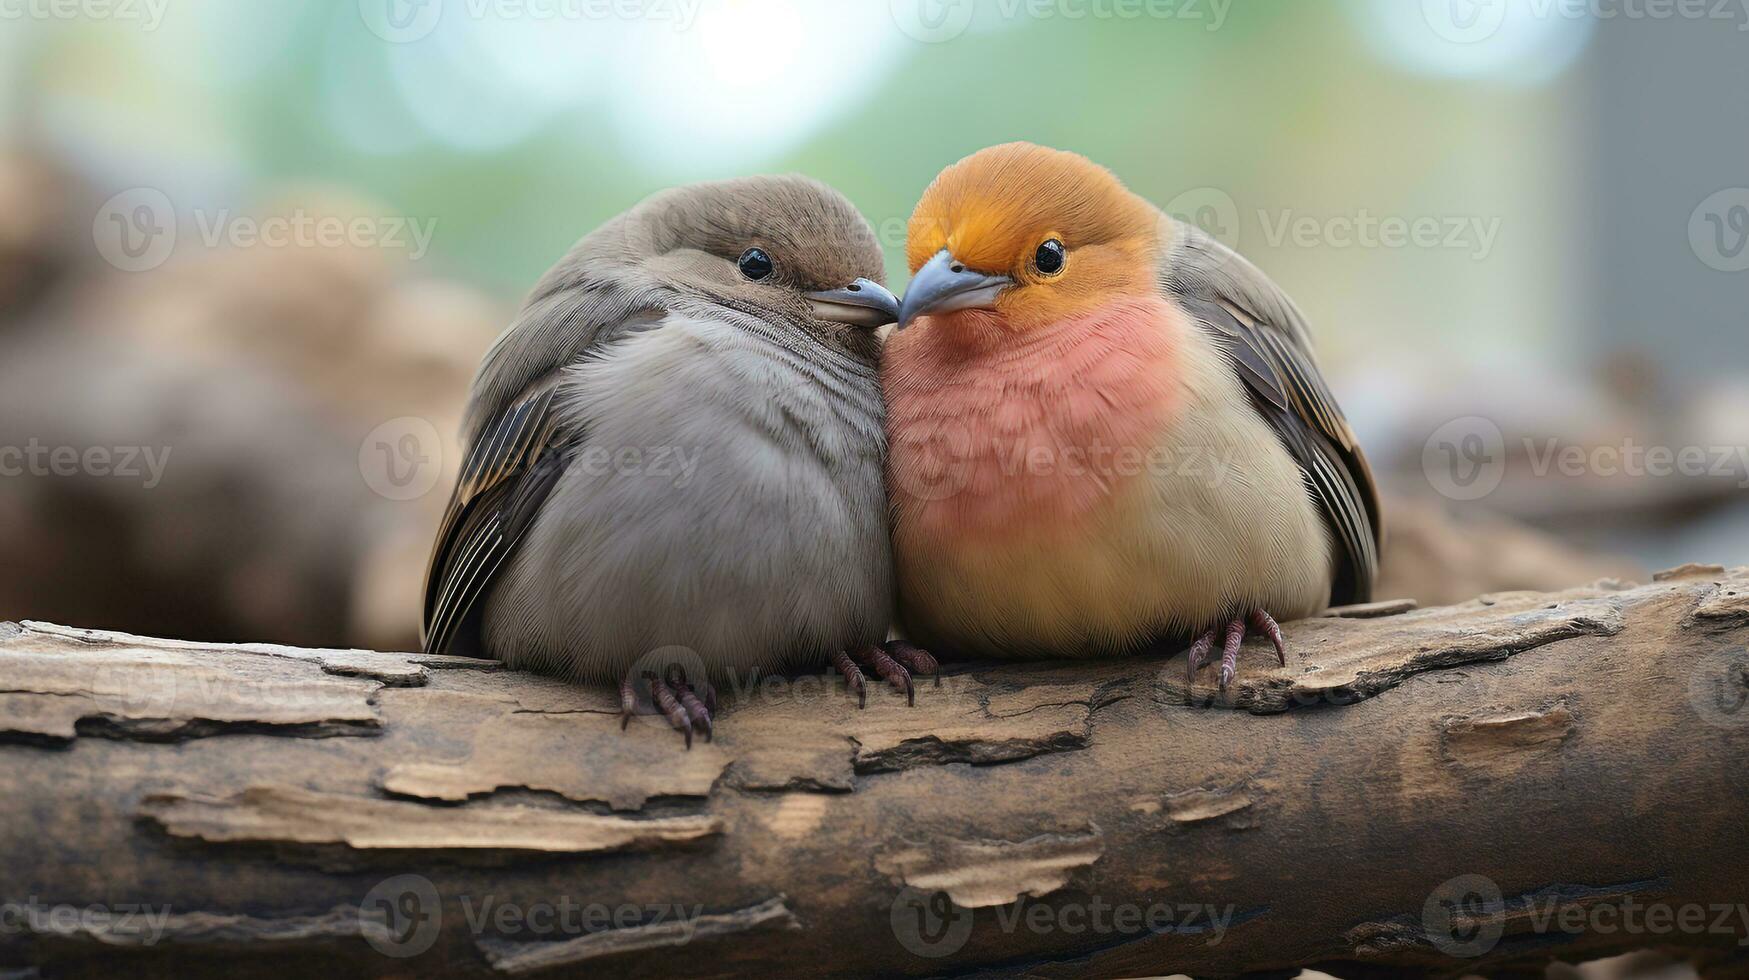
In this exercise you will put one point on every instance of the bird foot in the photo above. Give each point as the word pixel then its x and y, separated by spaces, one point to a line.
pixel 676 700
pixel 914 659
pixel 894 662
pixel 1202 651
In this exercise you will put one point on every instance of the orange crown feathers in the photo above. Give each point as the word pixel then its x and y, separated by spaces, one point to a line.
pixel 992 212
pixel 993 208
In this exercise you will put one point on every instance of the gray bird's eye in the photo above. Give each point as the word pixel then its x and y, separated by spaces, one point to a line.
pixel 755 264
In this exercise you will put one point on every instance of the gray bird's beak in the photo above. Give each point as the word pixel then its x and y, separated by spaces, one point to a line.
pixel 863 303
pixel 945 284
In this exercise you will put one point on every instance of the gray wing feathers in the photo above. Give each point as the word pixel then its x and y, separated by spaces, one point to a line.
pixel 516 451
pixel 559 324
pixel 1269 345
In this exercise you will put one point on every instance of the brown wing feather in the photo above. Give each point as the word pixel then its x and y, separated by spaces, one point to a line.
pixel 516 447
pixel 1266 338
pixel 477 532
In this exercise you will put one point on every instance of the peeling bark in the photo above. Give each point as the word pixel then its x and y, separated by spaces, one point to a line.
pixel 283 815
pixel 1417 792
pixel 536 957
pixel 977 874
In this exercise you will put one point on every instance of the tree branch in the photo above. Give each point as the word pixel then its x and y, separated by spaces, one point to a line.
pixel 1473 789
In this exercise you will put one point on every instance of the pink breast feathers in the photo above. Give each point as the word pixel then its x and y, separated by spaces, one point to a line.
pixel 991 432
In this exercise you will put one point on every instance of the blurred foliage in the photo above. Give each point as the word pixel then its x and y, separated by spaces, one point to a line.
pixel 518 138
pixel 1279 125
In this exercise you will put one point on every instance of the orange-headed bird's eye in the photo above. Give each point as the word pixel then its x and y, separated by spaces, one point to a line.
pixel 1050 257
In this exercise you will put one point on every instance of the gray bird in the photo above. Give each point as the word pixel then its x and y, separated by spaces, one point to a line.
pixel 675 455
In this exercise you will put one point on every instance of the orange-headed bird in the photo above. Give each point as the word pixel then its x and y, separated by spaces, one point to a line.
pixel 1107 429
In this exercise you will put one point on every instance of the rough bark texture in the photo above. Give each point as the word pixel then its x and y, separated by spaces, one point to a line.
pixel 346 813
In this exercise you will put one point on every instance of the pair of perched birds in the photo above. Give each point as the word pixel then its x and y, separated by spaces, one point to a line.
pixel 1096 429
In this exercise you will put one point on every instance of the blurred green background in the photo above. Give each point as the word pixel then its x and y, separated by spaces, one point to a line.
pixel 517 126
pixel 1524 218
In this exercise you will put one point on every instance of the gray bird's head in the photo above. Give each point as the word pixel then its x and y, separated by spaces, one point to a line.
pixel 787 249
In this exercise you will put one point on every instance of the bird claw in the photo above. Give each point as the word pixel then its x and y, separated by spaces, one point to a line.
pixel 915 659
pixel 891 671
pixel 1197 655
pixel 852 676
pixel 671 708
pixel 894 663
pixel 689 710
pixel 1232 637
pixel 676 700
pixel 1262 622
pixel 697 712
